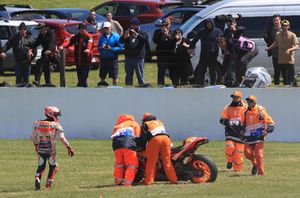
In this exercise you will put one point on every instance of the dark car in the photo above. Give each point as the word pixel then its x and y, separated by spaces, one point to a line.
pixel 7 9
pixel 65 29
pixel 146 11
pixel 77 14
pixel 177 16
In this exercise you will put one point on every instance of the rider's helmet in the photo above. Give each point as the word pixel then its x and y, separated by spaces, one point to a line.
pixel 189 140
pixel 52 112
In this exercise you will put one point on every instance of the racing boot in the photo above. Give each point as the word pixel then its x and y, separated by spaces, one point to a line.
pixel 254 170
pixel 229 165
pixel 37 183
pixel 48 183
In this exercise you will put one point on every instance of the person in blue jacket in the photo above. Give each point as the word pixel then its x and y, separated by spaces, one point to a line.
pixel 109 48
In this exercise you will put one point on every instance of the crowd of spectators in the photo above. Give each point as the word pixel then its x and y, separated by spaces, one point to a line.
pixel 173 52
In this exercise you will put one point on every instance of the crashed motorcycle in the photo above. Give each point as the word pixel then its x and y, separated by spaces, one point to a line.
pixel 187 164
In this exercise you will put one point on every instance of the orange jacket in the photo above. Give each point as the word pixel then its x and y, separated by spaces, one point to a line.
pixel 125 133
pixel 256 121
pixel 233 114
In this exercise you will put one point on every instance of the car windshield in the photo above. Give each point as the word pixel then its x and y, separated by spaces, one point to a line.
pixel 189 23
pixel 167 8
pixel 27 16
pixel 73 29
pixel 82 15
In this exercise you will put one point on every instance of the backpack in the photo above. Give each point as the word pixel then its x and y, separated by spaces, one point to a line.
pixel 256 77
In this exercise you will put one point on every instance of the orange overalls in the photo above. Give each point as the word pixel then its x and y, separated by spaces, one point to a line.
pixel 256 122
pixel 234 149
pixel 158 146
pixel 124 137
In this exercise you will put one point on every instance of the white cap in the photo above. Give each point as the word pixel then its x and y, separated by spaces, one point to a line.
pixel 106 24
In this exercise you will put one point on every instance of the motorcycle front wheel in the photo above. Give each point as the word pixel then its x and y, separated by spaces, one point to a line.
pixel 204 169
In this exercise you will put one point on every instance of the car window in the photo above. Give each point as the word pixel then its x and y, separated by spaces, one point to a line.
pixel 31 28
pixel 188 15
pixel 125 9
pixel 176 17
pixel 294 23
pixel 143 9
pixel 27 16
pixel 255 26
pixel 81 16
pixel 110 7
pixel 168 7
pixel 4 33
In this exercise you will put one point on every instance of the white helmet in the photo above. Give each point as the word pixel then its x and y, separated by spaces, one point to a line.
pixel 52 112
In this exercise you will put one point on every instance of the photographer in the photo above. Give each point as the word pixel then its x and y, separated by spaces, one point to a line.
pixel 134 40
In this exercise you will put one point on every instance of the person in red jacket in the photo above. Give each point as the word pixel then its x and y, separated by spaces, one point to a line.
pixel 43 136
pixel 257 124
pixel 159 145
pixel 83 43
pixel 232 117
pixel 124 135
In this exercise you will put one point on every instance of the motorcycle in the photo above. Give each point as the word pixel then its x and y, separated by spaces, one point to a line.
pixel 187 164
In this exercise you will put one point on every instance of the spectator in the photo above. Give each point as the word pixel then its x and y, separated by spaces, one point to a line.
pixel 83 43
pixel 287 43
pixel 258 123
pixel 269 38
pixel 181 59
pixel 92 19
pixel 46 39
pixel 209 52
pixel 242 51
pixel 134 41
pixel 109 48
pixel 115 25
pixel 162 37
pixel 20 43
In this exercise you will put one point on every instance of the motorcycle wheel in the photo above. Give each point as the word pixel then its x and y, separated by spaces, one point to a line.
pixel 204 169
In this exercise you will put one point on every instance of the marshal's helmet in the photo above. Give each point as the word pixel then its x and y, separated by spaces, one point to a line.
pixel 52 112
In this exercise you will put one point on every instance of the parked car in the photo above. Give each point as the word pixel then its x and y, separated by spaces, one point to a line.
pixel 9 28
pixel 177 16
pixel 146 11
pixel 65 29
pixel 7 9
pixel 256 18
pixel 77 14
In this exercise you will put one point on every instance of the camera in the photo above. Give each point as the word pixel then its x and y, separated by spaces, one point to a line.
pixel 227 18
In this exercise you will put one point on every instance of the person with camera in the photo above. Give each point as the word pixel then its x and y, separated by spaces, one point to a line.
pixel 20 43
pixel 134 40
pixel 179 68
pixel 269 38
pixel 209 52
pixel 83 44
pixel 162 37
pixel 109 48
pixel 232 118
pixel 287 44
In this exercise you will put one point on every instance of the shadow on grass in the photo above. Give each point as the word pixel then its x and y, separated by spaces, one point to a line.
pixel 16 190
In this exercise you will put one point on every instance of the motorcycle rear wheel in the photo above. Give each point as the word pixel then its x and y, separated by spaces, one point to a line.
pixel 204 169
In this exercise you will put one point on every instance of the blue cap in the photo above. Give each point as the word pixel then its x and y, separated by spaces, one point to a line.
pixel 135 21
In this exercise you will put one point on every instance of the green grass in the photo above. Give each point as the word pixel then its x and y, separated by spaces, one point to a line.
pixel 90 173
pixel 56 3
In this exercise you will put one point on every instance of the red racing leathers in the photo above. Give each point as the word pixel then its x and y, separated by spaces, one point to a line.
pixel 257 124
pixel 124 135
pixel 159 145
pixel 232 117
pixel 43 137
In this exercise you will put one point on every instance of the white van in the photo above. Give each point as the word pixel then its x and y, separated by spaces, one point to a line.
pixel 256 18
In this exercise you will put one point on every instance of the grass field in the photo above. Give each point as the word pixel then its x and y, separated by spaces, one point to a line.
pixel 89 173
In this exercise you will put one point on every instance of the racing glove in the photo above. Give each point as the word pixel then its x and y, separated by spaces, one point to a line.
pixel 70 151
pixel 225 122
pixel 270 129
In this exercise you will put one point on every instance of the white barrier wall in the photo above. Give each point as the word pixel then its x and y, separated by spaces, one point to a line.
pixel 92 112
